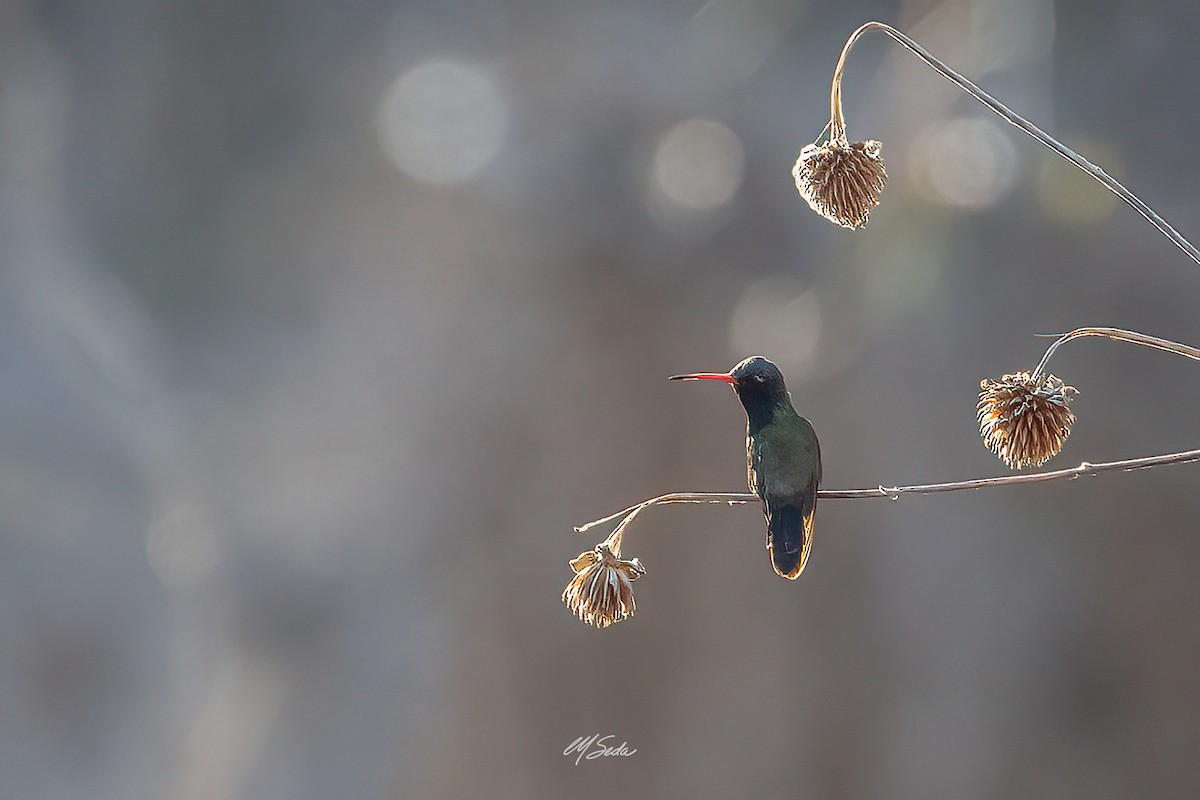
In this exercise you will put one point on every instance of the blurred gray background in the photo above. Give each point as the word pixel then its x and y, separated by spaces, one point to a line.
pixel 321 324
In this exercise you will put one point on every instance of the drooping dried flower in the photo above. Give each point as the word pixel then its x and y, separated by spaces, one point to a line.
pixel 841 181
pixel 1023 419
pixel 601 594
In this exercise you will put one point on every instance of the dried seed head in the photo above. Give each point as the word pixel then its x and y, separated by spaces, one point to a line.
pixel 1025 421
pixel 841 181
pixel 600 593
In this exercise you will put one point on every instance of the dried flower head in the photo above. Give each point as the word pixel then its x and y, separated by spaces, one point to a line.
pixel 600 593
pixel 1025 420
pixel 841 181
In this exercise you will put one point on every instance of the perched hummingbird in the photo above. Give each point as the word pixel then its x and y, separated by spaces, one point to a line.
pixel 782 456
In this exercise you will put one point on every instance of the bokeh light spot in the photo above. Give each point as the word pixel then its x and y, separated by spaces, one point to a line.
pixel 776 318
pixel 968 163
pixel 442 122
pixel 698 165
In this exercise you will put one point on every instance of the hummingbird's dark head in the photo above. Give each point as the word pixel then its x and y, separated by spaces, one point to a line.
pixel 757 382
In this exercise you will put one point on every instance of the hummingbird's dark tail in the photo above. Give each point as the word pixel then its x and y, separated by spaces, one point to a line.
pixel 789 536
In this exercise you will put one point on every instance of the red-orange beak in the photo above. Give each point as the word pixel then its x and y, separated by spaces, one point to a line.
pixel 704 376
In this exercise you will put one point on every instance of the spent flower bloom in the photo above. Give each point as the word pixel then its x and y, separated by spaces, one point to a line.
pixel 841 181
pixel 601 593
pixel 1024 418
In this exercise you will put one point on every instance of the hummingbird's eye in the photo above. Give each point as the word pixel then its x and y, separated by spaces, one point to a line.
pixel 760 378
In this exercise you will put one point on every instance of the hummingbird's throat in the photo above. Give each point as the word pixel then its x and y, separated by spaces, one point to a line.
pixel 760 411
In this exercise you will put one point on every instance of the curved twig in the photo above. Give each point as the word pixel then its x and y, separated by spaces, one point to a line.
pixel 1120 335
pixel 838 127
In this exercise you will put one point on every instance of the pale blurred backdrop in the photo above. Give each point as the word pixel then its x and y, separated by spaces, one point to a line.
pixel 323 323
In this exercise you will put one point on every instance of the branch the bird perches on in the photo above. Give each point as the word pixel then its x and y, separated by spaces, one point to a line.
pixel 894 492
pixel 601 594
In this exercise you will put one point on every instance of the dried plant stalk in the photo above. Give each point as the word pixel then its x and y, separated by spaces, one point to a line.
pixel 837 127
pixel 1119 335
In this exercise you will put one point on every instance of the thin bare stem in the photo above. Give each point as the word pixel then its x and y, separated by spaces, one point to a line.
pixel 1117 334
pixel 838 127
pixel 627 515
pixel 837 121
pixel 733 498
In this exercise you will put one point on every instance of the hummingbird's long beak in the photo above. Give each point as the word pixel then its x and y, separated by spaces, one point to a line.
pixel 704 376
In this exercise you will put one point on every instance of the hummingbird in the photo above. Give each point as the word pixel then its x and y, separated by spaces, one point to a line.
pixel 783 459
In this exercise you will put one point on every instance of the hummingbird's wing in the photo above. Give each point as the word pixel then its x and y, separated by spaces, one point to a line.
pixel 789 498
pixel 753 459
